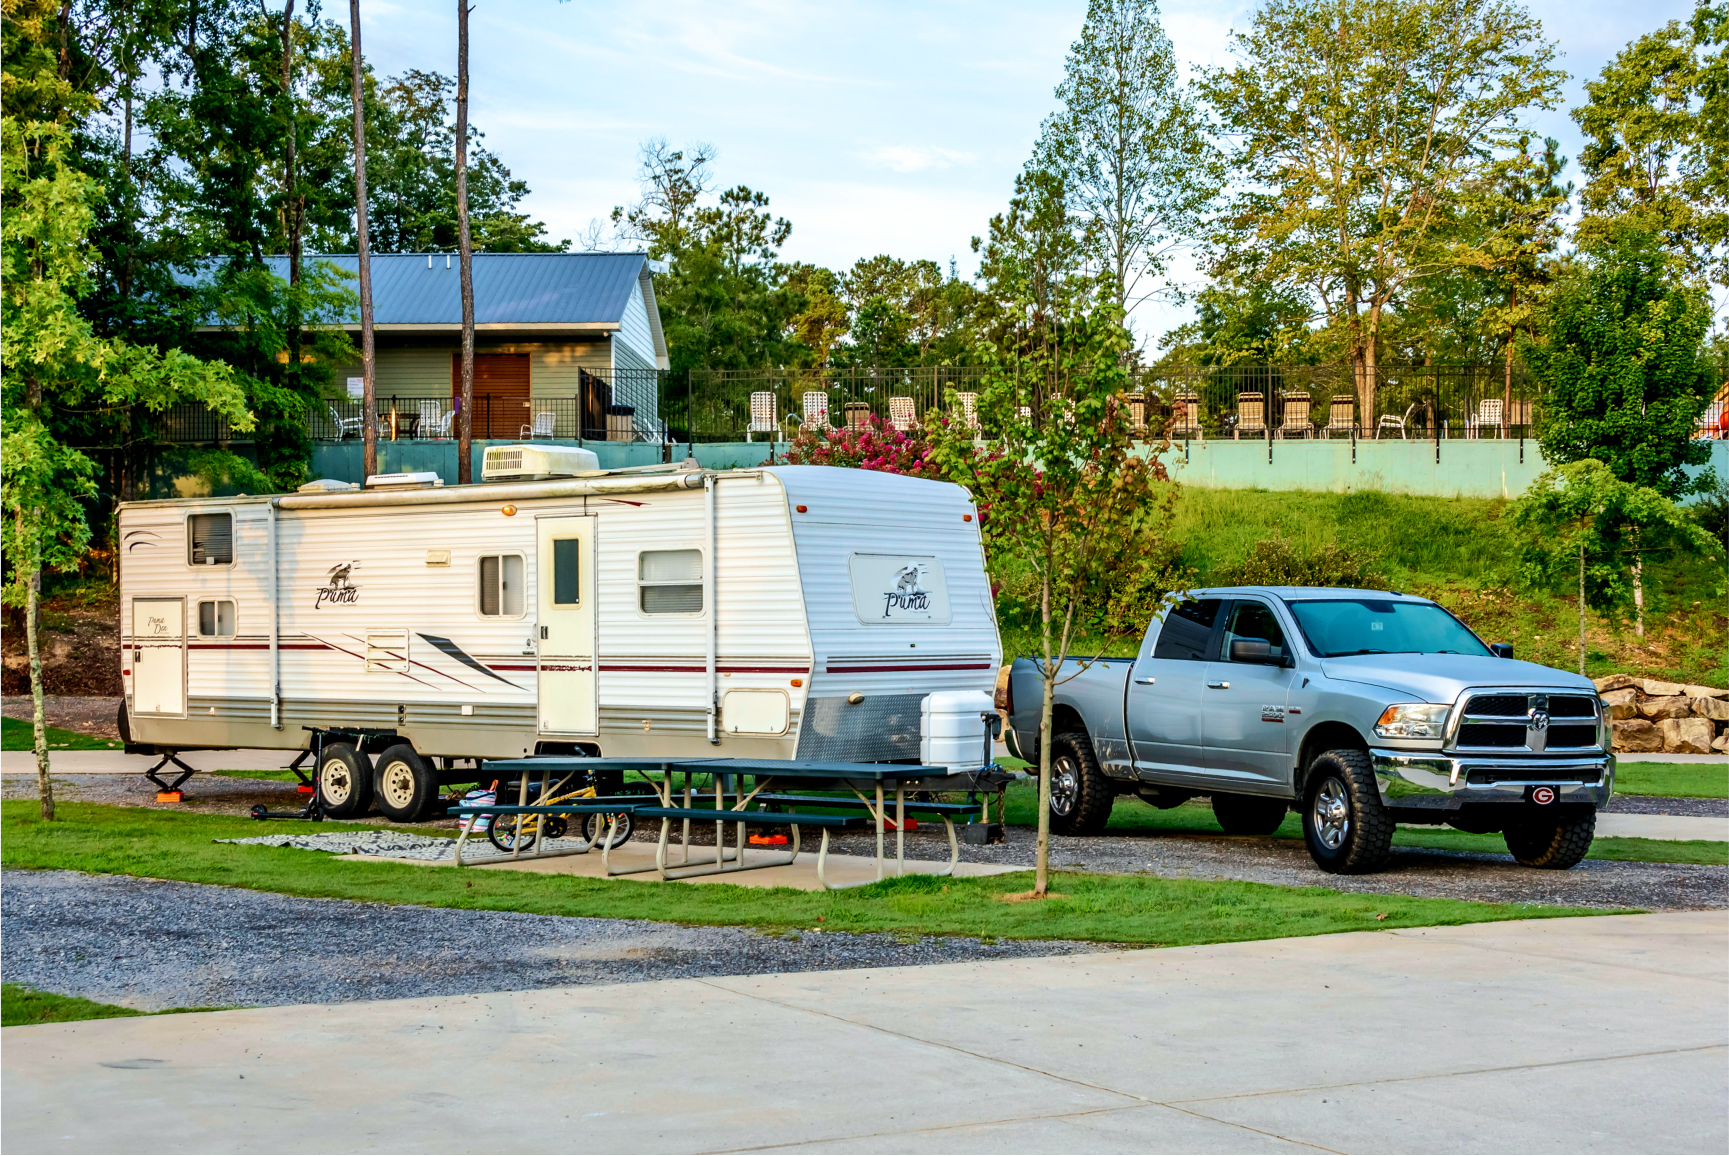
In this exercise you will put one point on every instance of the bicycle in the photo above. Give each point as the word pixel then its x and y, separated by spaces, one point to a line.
pixel 510 832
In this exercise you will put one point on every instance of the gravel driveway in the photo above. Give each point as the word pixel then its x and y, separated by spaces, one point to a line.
pixel 151 944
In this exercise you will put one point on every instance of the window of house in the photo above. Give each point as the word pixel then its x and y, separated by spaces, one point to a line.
pixel 210 539
pixel 670 581
pixel 216 619
pixel 501 586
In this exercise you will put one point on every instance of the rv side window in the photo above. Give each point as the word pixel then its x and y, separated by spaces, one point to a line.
pixel 501 586
pixel 670 581
pixel 216 619
pixel 210 539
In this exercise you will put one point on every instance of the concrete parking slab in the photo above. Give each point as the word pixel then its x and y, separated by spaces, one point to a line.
pixel 1548 1035
pixel 1711 827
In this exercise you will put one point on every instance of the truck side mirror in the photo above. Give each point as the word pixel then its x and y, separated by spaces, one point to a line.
pixel 1255 650
pixel 1502 649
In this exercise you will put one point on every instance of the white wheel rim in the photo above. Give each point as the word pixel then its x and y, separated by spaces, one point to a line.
pixel 336 781
pixel 397 785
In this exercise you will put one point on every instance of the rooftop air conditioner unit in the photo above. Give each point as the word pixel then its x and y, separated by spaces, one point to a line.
pixel 520 463
pixel 424 480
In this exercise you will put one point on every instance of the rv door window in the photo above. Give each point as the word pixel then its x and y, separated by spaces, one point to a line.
pixel 670 581
pixel 210 539
pixel 216 619
pixel 565 571
pixel 501 586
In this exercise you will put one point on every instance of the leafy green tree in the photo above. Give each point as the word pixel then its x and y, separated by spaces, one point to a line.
pixel 1073 511
pixel 1130 144
pixel 1581 526
pixel 1244 324
pixel 1654 159
pixel 54 362
pixel 1361 131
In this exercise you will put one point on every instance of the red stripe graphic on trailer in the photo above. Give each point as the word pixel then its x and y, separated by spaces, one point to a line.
pixel 831 669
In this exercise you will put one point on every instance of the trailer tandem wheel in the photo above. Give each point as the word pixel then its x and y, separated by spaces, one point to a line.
pixel 404 783
pixel 344 782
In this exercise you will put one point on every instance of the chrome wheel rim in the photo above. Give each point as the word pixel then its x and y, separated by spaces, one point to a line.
pixel 336 781
pixel 1332 815
pixel 396 784
pixel 1065 786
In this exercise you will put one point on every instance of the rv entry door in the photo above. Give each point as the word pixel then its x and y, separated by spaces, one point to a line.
pixel 566 589
pixel 159 656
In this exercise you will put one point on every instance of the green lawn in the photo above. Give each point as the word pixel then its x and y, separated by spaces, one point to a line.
pixel 1675 780
pixel 1103 908
pixel 21 1005
pixel 16 735
pixel 1133 817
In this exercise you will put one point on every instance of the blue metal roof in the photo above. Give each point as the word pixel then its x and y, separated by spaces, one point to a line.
pixel 509 288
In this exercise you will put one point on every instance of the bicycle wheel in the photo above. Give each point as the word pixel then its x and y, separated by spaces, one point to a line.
pixel 505 835
pixel 594 828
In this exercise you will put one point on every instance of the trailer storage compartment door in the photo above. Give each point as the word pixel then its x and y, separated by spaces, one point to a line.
pixel 159 656
pixel 565 596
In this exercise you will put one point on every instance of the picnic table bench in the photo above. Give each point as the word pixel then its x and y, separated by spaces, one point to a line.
pixel 818 774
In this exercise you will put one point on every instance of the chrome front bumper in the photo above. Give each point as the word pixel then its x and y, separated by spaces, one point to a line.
pixel 1443 782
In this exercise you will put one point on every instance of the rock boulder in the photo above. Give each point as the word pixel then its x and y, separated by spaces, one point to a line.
pixel 1658 689
pixel 1687 736
pixel 1623 703
pixel 1716 709
pixel 1692 691
pixel 1667 707
pixel 1635 734
pixel 1615 682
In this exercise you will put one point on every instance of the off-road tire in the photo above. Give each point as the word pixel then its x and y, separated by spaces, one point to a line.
pixel 1249 814
pixel 343 780
pixel 1080 794
pixel 404 785
pixel 1357 834
pixel 1552 844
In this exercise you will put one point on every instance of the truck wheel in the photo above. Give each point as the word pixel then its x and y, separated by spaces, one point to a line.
pixel 343 782
pixel 1555 844
pixel 1347 829
pixel 1080 794
pixel 405 784
pixel 1249 814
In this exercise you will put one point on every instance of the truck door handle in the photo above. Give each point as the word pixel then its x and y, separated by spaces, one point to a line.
pixel 1145 681
pixel 1218 686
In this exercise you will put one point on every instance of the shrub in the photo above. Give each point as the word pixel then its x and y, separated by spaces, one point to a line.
pixel 1276 562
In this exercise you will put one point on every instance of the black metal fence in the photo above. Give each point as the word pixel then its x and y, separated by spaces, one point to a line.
pixel 1427 402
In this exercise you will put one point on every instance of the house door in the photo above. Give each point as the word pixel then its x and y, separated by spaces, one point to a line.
pixel 501 393
pixel 159 656
pixel 565 610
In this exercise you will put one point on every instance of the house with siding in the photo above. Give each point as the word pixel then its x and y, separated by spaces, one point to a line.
pixel 572 335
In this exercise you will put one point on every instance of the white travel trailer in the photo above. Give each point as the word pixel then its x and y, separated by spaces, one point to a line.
pixel 792 612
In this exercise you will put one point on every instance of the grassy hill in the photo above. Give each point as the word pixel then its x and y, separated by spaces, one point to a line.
pixel 1458 551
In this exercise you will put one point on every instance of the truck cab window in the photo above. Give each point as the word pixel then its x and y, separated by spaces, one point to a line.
pixel 670 581
pixel 1187 630
pixel 210 539
pixel 1254 620
pixel 216 619
pixel 501 586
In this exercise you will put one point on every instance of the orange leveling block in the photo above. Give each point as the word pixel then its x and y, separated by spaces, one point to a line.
pixel 170 796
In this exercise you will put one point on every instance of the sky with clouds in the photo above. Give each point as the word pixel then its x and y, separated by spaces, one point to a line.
pixel 886 127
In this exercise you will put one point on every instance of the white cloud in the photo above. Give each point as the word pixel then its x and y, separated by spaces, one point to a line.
pixel 916 158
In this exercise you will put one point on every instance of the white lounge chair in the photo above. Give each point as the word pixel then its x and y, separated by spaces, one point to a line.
pixel 1390 421
pixel 1341 415
pixel 541 426
pixel 969 409
pixel 816 409
pixel 345 425
pixel 762 416
pixel 434 420
pixel 901 413
pixel 1491 413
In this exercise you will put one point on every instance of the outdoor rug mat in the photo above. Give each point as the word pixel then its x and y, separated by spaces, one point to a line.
pixel 395 844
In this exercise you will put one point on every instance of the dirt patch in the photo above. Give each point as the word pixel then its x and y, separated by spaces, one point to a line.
pixel 97 715
pixel 80 642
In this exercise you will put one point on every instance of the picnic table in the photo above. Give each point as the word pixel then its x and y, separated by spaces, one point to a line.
pixel 729 808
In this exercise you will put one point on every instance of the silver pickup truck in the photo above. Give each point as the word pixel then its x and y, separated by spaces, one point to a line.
pixel 1360 708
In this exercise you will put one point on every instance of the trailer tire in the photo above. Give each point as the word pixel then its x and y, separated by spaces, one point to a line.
pixel 1553 844
pixel 1081 796
pixel 1248 814
pixel 343 781
pixel 404 784
pixel 1344 824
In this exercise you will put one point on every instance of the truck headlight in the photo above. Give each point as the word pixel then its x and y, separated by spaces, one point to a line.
pixel 1413 720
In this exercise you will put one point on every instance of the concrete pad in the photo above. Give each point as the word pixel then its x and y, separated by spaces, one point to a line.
pixel 1611 826
pixel 1545 1035
pixel 801 875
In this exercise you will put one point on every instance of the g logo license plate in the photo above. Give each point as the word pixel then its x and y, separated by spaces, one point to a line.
pixel 1542 796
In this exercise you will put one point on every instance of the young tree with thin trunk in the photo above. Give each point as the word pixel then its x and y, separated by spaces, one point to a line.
pixel 1361 131
pixel 465 255
pixel 1130 144
pixel 368 353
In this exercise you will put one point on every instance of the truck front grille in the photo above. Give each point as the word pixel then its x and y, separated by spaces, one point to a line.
pixel 1491 735
pixel 1571 706
pixel 1501 720
pixel 1572 737
pixel 1501 704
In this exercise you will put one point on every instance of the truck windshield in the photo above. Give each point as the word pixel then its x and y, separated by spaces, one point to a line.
pixel 1335 628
